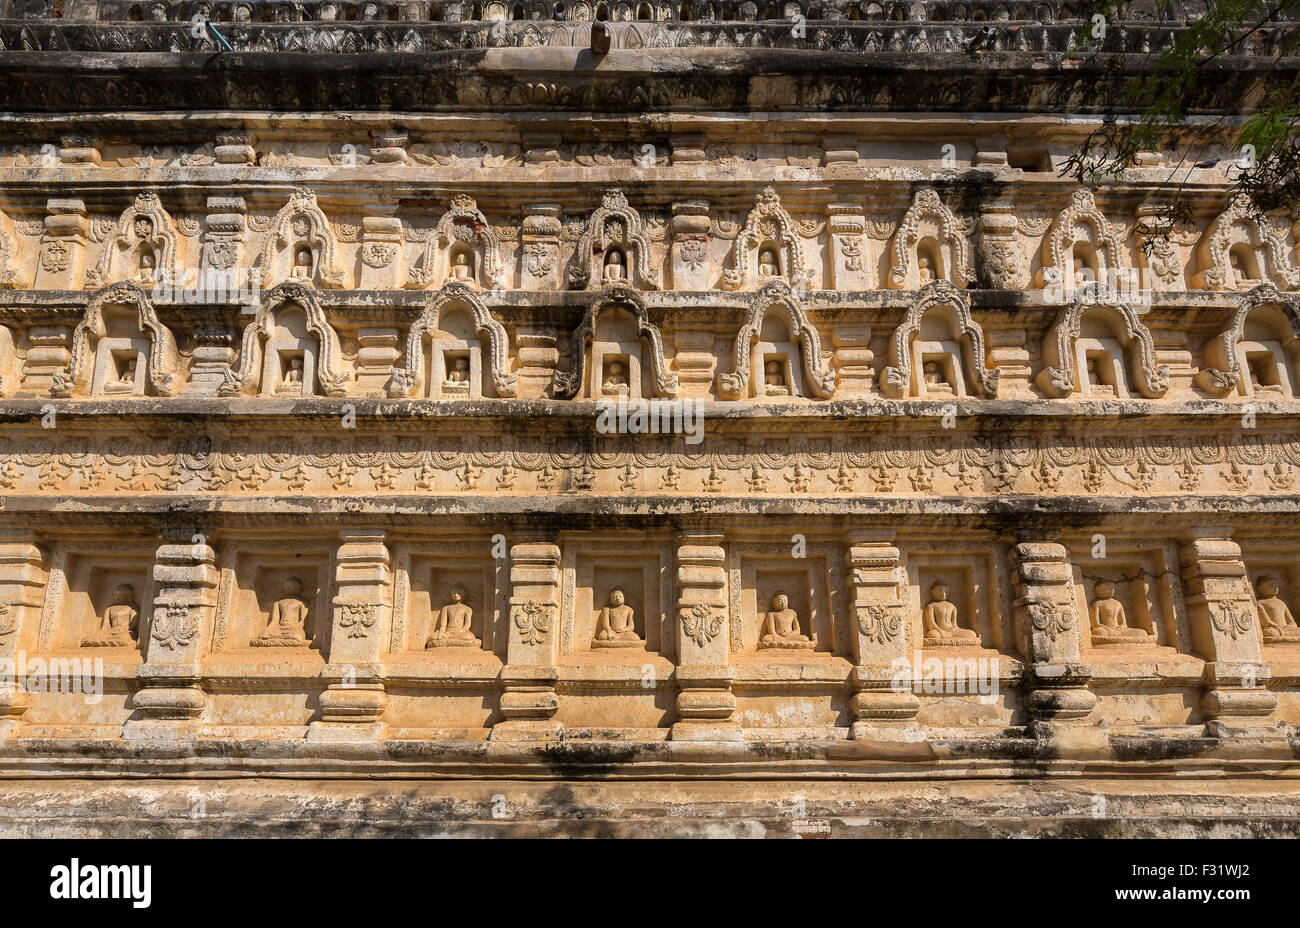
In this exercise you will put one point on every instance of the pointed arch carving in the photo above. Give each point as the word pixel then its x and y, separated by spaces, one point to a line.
pixel 896 378
pixel 164 360
pixel 566 384
pixel 777 295
pixel 768 221
pixel 143 224
pixel 614 222
pixel 1058 377
pixel 245 378
pixel 301 221
pixel 406 379
pixel 1223 367
pixel 1238 224
pixel 1058 247
pixel 927 204
pixel 465 224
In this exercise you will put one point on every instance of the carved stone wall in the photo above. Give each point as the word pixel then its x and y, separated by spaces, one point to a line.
pixel 834 417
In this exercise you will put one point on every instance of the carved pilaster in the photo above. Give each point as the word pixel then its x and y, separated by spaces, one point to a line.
pixel 850 257
pixel 704 700
pixel 62 262
pixel 539 236
pixel 1222 618
pixel 49 352
pixel 854 359
pixel 1048 631
pixel 22 587
pixel 528 700
pixel 383 252
pixel 222 258
pixel 1002 261
pixel 185 580
pixel 881 708
pixel 352 706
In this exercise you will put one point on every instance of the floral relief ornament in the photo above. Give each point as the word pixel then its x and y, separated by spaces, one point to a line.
pixel 176 627
pixel 1231 619
pixel 701 624
pixel 879 624
pixel 8 623
pixel 1051 619
pixel 533 622
pixel 358 618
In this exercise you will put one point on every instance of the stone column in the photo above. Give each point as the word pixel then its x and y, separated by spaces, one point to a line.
pixel 383 254
pixel 853 359
pixel 49 352
pixel 883 702
pixel 528 699
pixel 221 262
pixel 62 262
pixel 704 700
pixel 1048 632
pixel 539 237
pixel 847 225
pixel 170 697
pixel 1222 618
pixel 1002 261
pixel 22 593
pixel 690 245
pixel 352 706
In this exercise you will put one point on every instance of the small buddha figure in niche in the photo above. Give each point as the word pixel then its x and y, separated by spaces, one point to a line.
pixel 615 626
pixel 451 627
pixel 1109 625
pixel 940 621
pixel 118 627
pixel 1259 370
pixel 774 379
pixel 145 266
pixel 461 268
pixel 615 378
pixel 768 265
pixel 935 381
pixel 613 265
pixel 287 625
pixel 457 380
pixel 291 380
pixel 1096 380
pixel 302 261
pixel 780 627
pixel 1239 276
pixel 924 269
pixel 1080 271
pixel 1275 619
pixel 125 382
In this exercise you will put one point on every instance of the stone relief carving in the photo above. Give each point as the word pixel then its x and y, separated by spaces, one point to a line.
pixel 941 623
pixel 300 246
pixel 12 274
pixel 929 246
pixel 1223 372
pixel 907 375
pixel 1081 242
pixel 120 623
pixel 95 367
pixel 1242 250
pixel 405 380
pixel 1276 622
pixel 780 628
pixel 613 248
pixel 286 625
pixel 767 249
pixel 1062 374
pixel 566 384
pixel 451 626
pixel 1109 623
pixel 274 358
pixel 462 248
pixel 142 247
pixel 615 625
pixel 797 369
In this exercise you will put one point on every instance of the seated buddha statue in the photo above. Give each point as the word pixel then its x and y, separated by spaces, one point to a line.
pixel 125 382
pixel 287 623
pixel 924 269
pixel 615 379
pixel 615 626
pixel 451 627
pixel 118 627
pixel 768 265
pixel 461 269
pixel 939 619
pixel 613 265
pixel 774 379
pixel 1109 625
pixel 291 381
pixel 935 382
pixel 1275 619
pixel 780 627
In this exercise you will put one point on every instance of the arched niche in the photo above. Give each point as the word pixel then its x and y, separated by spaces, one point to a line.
pixel 142 248
pixel 455 349
pixel 615 229
pixel 767 249
pixel 121 349
pixel 1101 351
pixel 597 340
pixel 1081 247
pixel 1258 353
pixel 938 350
pixel 929 246
pixel 463 249
pixel 12 274
pixel 1241 250
pixel 9 372
pixel 777 332
pixel 300 246
pixel 289 349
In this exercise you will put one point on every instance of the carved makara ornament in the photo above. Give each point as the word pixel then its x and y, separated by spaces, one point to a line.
pixel 1081 222
pixel 164 364
pixel 896 378
pixel 245 378
pixel 1059 377
pixel 1222 372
